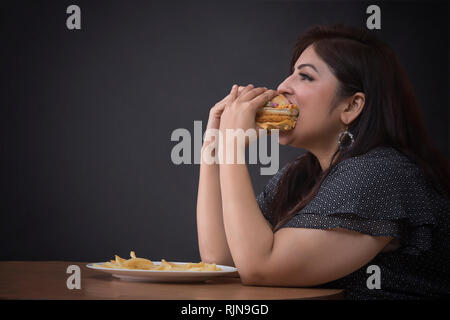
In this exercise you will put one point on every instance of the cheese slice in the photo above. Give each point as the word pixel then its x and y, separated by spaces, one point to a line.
pixel 282 125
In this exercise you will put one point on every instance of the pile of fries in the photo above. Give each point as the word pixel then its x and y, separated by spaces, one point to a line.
pixel 145 264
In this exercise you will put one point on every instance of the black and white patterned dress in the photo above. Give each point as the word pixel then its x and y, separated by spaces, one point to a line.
pixel 382 193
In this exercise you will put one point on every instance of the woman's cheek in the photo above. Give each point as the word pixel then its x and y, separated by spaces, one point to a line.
pixel 308 125
pixel 303 120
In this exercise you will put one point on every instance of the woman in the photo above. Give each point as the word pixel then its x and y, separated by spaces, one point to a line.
pixel 371 190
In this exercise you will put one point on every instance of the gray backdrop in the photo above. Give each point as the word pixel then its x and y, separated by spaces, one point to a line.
pixel 87 115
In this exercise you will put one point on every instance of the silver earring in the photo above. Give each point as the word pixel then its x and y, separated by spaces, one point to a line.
pixel 343 140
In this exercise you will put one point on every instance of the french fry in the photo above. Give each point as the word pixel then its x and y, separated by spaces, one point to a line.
pixel 166 265
pixel 119 260
pixel 146 264
pixel 138 263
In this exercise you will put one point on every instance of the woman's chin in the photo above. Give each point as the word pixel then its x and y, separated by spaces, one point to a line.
pixel 285 137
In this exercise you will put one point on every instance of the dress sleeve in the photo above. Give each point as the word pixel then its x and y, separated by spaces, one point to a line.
pixel 376 196
pixel 265 197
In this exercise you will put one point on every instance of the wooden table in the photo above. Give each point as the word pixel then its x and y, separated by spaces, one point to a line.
pixel 47 280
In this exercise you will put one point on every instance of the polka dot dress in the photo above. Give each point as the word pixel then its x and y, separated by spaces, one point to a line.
pixel 382 193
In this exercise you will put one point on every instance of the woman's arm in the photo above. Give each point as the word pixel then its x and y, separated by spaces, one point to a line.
pixel 290 257
pixel 212 241
pixel 249 236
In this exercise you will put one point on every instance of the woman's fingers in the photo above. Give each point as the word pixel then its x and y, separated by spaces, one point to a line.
pixel 252 94
pixel 263 98
pixel 227 98
pixel 222 103
pixel 240 94
pixel 234 92
pixel 218 107
pixel 245 90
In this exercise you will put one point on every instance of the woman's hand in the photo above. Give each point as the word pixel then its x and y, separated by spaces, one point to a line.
pixel 240 110
pixel 216 111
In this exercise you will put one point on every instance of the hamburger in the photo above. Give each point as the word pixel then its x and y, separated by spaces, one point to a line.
pixel 278 113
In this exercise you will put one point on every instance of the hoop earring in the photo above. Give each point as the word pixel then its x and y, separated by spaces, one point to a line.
pixel 343 137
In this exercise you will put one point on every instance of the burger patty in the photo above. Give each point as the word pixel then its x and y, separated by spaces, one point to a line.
pixel 274 118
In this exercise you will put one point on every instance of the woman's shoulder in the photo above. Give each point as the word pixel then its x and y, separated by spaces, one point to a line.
pixel 380 165
pixel 387 157
pixel 383 179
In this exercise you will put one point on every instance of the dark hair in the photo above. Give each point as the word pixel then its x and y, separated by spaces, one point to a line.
pixel 391 115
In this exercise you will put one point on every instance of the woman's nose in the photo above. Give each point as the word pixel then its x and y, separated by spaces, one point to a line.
pixel 284 87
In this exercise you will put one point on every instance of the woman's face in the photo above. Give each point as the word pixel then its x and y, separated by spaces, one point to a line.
pixel 312 87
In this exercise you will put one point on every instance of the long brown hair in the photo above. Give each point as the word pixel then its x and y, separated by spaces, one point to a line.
pixel 391 116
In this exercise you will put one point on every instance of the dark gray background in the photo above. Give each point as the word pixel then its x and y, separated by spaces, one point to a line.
pixel 86 116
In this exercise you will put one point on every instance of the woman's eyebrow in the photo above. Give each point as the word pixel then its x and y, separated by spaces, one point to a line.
pixel 307 65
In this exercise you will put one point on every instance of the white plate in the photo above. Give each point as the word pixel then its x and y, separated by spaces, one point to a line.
pixel 164 275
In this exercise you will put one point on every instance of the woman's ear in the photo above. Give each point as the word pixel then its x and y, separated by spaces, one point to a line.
pixel 354 107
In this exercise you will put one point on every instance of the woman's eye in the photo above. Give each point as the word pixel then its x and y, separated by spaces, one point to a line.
pixel 304 76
